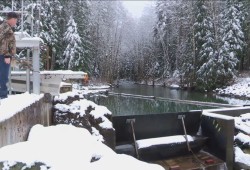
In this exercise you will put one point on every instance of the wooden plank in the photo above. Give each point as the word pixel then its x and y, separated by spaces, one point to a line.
pixel 192 162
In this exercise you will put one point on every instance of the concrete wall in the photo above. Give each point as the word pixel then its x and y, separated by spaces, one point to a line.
pixel 16 128
pixel 155 125
pixel 236 111
pixel 221 131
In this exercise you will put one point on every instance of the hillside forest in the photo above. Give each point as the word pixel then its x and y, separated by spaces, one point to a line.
pixel 201 43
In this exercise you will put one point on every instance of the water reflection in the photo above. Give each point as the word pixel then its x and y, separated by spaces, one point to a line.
pixel 160 91
pixel 122 105
pixel 119 105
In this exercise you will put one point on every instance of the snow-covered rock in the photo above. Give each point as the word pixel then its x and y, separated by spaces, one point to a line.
pixel 174 86
pixel 243 126
pixel 242 141
pixel 241 158
pixel 70 108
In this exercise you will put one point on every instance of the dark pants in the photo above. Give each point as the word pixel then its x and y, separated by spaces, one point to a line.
pixel 4 77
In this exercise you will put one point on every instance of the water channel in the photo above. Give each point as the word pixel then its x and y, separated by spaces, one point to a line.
pixel 124 105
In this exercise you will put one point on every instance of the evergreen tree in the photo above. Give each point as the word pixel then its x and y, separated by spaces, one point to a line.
pixel 106 26
pixel 205 50
pixel 62 15
pixel 50 30
pixel 162 32
pixel 246 4
pixel 186 44
pixel 73 53
pixel 81 13
pixel 5 4
pixel 172 31
pixel 232 40
pixel 45 26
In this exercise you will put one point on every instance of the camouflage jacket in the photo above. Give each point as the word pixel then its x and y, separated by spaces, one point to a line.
pixel 7 40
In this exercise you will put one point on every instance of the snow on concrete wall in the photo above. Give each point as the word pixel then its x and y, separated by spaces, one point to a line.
pixel 18 113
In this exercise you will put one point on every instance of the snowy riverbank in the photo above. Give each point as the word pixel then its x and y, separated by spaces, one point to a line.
pixel 238 92
pixel 239 89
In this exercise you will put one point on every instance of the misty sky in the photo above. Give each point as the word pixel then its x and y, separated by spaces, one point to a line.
pixel 136 7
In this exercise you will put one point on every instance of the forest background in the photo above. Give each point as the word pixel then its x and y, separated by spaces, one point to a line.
pixel 201 43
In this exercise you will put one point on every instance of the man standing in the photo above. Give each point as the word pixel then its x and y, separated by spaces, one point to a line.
pixel 7 50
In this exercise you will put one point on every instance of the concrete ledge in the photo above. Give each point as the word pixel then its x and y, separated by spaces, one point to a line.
pixel 218 125
pixel 16 128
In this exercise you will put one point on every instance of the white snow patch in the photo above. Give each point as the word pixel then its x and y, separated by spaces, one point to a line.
pixel 144 143
pixel 82 105
pixel 63 96
pixel 241 157
pixel 65 147
pixel 216 115
pixel 243 126
pixel 63 72
pixel 96 134
pixel 174 86
pixel 16 103
pixel 240 88
pixel 245 139
pixel 245 117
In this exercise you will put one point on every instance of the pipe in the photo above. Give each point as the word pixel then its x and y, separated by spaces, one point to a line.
pixel 185 132
pixel 36 70
pixel 28 72
pixel 188 144
pixel 132 121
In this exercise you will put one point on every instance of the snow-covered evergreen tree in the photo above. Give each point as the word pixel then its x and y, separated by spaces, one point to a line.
pixel 107 24
pixel 73 54
pixel 173 31
pixel 108 36
pixel 45 25
pixel 147 45
pixel 81 13
pixel 232 40
pixel 5 5
pixel 50 30
pixel 205 47
pixel 246 4
pixel 165 33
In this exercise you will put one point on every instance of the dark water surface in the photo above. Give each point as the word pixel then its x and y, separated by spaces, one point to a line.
pixel 120 105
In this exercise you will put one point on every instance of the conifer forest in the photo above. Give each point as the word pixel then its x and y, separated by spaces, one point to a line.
pixel 203 43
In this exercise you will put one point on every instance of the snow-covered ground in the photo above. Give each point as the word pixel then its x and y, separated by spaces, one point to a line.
pixel 62 147
pixel 240 89
pixel 53 145
pixel 65 147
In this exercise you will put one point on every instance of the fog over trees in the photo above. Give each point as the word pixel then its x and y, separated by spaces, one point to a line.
pixel 202 44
